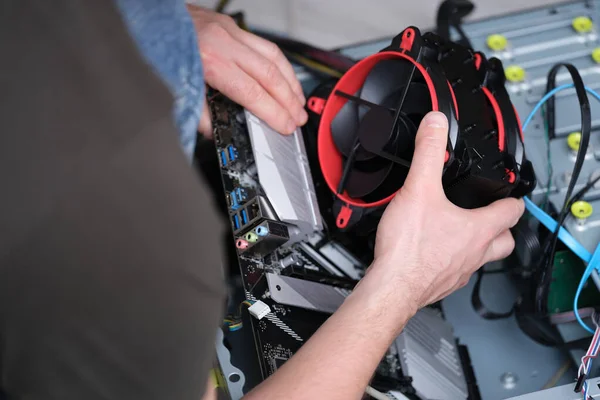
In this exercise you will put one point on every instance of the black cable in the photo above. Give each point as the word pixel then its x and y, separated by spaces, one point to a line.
pixel 331 59
pixel 579 195
pixel 545 267
pixel 450 14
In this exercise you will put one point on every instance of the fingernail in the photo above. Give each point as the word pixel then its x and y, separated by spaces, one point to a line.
pixel 290 126
pixel 435 119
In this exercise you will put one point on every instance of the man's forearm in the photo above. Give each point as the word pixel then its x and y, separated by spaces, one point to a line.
pixel 340 358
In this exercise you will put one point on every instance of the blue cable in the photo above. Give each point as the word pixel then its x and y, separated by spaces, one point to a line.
pixel 592 260
pixel 537 212
pixel 563 235
pixel 551 93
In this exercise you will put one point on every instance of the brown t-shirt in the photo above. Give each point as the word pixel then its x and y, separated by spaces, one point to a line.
pixel 110 253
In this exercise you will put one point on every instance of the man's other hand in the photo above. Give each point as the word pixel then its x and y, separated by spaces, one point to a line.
pixel 426 246
pixel 249 70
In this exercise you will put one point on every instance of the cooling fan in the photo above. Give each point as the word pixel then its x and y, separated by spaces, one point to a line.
pixel 369 119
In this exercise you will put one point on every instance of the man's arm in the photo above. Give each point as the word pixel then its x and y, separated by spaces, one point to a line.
pixel 341 357
pixel 426 248
pixel 110 249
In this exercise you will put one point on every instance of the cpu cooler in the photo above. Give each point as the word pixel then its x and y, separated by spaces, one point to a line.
pixel 368 119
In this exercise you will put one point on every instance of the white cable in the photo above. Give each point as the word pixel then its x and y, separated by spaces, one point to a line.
pixel 376 394
pixel 397 395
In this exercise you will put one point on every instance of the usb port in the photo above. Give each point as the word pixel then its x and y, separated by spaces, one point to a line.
pixel 244 217
pixel 232 153
pixel 234 202
pixel 236 222
pixel 240 195
pixel 223 158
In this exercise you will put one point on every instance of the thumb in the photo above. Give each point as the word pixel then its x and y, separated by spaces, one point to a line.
pixel 430 151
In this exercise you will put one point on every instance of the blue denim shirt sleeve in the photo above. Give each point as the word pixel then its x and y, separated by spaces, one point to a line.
pixel 165 34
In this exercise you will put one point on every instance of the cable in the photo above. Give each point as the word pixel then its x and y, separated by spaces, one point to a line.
pixel 579 195
pixel 477 303
pixel 545 266
pixel 312 65
pixel 593 260
pixel 376 394
pixel 450 14
pixel 326 60
pixel 234 322
pixel 549 168
pixel 563 234
pixel 549 247
pixel 569 316
pixel 586 362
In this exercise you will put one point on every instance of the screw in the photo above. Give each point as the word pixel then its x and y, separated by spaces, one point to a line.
pixel 509 380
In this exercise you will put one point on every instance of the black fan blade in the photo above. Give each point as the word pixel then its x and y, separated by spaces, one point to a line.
pixel 383 83
pixel 379 177
pixel 344 126
pixel 386 78
pixel 365 177
pixel 385 145
pixel 390 185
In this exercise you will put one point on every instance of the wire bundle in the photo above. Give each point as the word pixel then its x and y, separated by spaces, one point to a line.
pixel 586 362
pixel 549 247
pixel 234 322
pixel 558 232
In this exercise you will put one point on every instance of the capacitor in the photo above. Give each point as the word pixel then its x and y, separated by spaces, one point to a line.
pixel 292 259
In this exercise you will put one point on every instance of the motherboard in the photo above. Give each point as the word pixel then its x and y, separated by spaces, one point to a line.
pixel 301 274
pixel 262 224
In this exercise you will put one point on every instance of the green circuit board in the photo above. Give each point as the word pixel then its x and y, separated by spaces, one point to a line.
pixel 566 274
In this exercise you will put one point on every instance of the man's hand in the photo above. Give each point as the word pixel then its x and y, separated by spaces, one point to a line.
pixel 427 245
pixel 249 70
pixel 426 248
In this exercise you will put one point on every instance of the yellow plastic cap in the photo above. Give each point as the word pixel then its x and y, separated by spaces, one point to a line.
pixel 514 73
pixel 582 209
pixel 496 42
pixel 596 55
pixel 582 24
pixel 573 140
